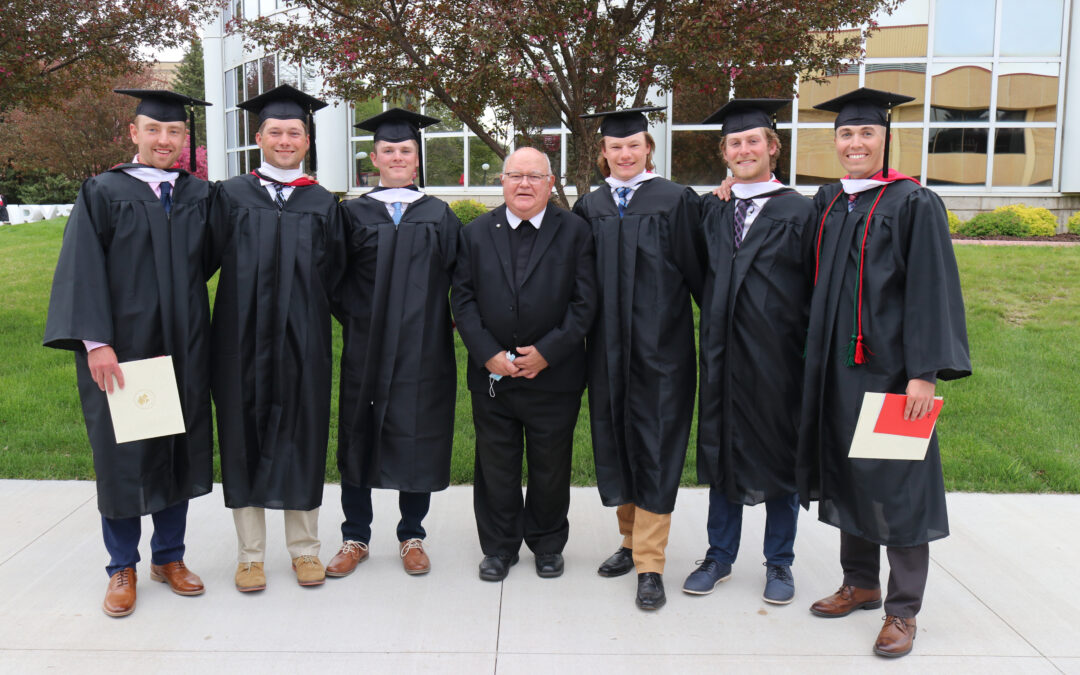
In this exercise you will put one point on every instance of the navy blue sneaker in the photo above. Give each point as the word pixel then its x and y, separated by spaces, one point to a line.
pixel 706 577
pixel 779 584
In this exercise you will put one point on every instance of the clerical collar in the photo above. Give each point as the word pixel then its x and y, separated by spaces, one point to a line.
pixel 754 190
pixel 386 195
pixel 149 174
pixel 514 221
pixel 633 182
pixel 272 174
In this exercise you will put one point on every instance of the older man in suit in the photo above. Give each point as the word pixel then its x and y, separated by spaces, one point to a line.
pixel 524 297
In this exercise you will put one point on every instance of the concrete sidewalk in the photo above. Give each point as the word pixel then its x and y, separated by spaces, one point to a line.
pixel 1001 597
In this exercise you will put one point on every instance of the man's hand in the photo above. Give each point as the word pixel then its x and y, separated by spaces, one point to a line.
pixel 530 361
pixel 920 399
pixel 103 366
pixel 723 190
pixel 500 365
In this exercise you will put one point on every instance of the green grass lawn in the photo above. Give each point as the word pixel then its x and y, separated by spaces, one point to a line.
pixel 1011 427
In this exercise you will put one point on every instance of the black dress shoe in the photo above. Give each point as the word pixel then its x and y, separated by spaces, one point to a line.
pixel 650 591
pixel 496 567
pixel 620 562
pixel 549 565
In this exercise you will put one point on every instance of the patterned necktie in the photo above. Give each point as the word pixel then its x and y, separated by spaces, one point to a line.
pixel 397 213
pixel 851 201
pixel 741 206
pixel 279 197
pixel 166 195
pixel 624 198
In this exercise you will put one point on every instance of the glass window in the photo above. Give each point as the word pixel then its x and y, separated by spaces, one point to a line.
pixel 549 144
pixel 902 78
pixel 364 172
pixel 238 78
pixel 309 78
pixel 234 164
pixel 365 109
pixel 964 27
pixel 959 90
pixel 252 128
pixel 1023 157
pixel 817 162
pixel 251 79
pixel 770 82
pixel 902 33
pixel 444 161
pixel 231 138
pixel 956 156
pixel 449 121
pixel 812 93
pixel 695 158
pixel 288 73
pixel 905 152
pixel 1027 92
pixel 1031 27
pixel 695 100
pixel 230 88
pixel 480 154
pixel 268 66
pixel 254 158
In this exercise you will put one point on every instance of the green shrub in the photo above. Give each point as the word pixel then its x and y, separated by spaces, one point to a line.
pixel 1074 223
pixel 954 222
pixel 40 187
pixel 467 210
pixel 1040 222
pixel 999 222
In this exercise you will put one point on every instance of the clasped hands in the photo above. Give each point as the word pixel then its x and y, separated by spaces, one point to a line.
pixel 528 364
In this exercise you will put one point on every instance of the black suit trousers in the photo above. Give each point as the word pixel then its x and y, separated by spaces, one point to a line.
pixel 908 569
pixel 538 425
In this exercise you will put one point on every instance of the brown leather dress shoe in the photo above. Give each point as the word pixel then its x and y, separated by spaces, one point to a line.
pixel 120 595
pixel 896 638
pixel 181 580
pixel 343 563
pixel 413 557
pixel 847 600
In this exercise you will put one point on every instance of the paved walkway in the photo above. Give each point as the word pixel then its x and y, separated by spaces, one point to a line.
pixel 1001 597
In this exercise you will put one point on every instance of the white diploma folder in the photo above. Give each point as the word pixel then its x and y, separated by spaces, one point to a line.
pixel 149 404
pixel 883 433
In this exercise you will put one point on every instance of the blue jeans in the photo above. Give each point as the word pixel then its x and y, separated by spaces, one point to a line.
pixel 725 529
pixel 356 503
pixel 166 545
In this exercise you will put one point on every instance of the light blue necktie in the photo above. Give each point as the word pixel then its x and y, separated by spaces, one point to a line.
pixel 397 213
pixel 166 195
pixel 624 198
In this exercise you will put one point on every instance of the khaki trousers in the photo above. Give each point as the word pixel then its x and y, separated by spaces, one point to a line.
pixel 301 533
pixel 646 534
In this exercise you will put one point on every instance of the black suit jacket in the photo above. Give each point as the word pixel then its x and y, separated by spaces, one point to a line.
pixel 552 309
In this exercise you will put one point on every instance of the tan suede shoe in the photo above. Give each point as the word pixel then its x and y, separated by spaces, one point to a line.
pixel 250 577
pixel 309 570
pixel 120 595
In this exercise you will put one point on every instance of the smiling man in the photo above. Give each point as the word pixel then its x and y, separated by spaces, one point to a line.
pixel 753 326
pixel 278 240
pixel 887 316
pixel 641 348
pixel 130 284
pixel 524 289
pixel 398 371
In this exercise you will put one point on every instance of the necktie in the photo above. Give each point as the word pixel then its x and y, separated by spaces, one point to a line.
pixel 279 196
pixel 624 198
pixel 397 213
pixel 524 237
pixel 851 201
pixel 166 195
pixel 741 205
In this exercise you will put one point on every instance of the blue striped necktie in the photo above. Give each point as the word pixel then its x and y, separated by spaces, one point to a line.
pixel 741 206
pixel 624 198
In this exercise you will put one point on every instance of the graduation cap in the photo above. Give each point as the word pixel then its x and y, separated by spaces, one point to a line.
pixel 396 126
pixel 744 114
pixel 287 103
pixel 623 123
pixel 866 106
pixel 167 106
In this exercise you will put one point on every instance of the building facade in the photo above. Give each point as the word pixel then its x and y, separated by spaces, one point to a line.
pixel 993 119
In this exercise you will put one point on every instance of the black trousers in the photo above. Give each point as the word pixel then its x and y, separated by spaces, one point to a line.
pixel 540 426
pixel 908 567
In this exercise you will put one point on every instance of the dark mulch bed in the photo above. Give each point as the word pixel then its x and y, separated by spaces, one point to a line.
pixel 1065 237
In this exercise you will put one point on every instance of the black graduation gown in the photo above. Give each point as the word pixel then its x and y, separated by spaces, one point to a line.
pixel 913 324
pixel 131 276
pixel 271 340
pixel 640 351
pixel 753 331
pixel 398 370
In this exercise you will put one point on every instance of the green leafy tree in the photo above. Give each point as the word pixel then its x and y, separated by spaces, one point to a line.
pixel 523 64
pixel 190 80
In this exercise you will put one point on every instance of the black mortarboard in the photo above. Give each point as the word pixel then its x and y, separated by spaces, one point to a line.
pixel 397 125
pixel 743 114
pixel 167 106
pixel 288 103
pixel 865 106
pixel 623 123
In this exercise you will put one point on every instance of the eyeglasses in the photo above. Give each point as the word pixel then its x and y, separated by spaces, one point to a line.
pixel 532 178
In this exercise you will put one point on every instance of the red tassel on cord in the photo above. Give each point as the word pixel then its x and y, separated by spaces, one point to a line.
pixel 860 351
